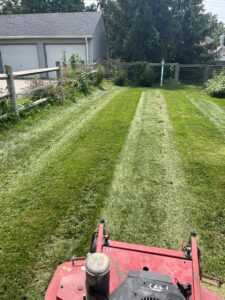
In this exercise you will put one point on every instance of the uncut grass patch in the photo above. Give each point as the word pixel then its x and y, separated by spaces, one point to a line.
pixel 62 201
pixel 202 149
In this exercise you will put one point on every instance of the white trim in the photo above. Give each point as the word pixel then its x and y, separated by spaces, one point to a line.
pixel 44 37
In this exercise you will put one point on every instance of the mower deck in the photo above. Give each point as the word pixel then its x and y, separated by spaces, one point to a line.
pixel 183 267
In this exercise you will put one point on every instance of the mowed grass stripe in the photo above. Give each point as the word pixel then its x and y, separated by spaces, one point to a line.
pixel 210 110
pixel 149 197
pixel 9 207
pixel 27 145
pixel 202 150
pixel 64 199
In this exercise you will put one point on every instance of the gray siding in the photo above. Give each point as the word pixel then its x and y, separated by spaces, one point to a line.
pixel 100 43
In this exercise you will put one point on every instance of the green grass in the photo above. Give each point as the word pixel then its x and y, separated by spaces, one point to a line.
pixel 49 214
pixel 149 194
pixel 150 161
pixel 201 144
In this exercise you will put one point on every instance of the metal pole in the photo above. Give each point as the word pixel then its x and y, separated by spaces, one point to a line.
pixel 162 72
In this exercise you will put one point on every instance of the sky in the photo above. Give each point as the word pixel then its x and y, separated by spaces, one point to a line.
pixel 217 7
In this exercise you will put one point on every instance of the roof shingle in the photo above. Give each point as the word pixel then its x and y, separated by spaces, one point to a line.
pixel 49 24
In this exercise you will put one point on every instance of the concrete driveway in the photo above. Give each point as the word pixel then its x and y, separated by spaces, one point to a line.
pixel 20 85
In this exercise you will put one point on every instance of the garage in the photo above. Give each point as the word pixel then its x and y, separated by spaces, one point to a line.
pixel 33 41
pixel 55 52
pixel 20 57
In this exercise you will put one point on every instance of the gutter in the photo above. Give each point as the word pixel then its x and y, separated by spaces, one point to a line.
pixel 46 37
pixel 87 50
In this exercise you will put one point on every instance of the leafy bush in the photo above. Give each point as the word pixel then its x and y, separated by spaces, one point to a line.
pixel 76 75
pixel 120 77
pixel 216 85
pixel 99 75
pixel 140 74
pixel 137 74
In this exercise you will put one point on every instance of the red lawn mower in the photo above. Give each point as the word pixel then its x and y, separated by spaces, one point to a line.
pixel 121 271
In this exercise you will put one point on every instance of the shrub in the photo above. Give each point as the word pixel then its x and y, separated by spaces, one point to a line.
pixel 76 75
pixel 140 74
pixel 216 85
pixel 99 75
pixel 120 77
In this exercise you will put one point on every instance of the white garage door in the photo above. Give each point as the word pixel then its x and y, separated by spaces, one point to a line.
pixel 20 57
pixel 55 52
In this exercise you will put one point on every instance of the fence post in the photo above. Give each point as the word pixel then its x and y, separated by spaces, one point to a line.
pixel 206 74
pixel 11 87
pixel 177 73
pixel 59 72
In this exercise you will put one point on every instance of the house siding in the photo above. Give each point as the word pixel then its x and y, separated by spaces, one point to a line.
pixel 100 43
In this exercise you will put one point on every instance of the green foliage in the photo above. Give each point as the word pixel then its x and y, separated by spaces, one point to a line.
pixel 140 74
pixel 76 76
pixel 150 30
pixel 91 7
pixel 83 82
pixel 137 74
pixel 216 85
pixel 40 6
pixel 120 77
pixel 99 75
pixel 74 61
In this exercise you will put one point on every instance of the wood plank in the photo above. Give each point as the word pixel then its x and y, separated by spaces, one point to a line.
pixel 193 66
pixel 35 103
pixel 34 72
pixel 3 76
pixel 11 87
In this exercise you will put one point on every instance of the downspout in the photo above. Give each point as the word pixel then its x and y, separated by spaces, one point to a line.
pixel 87 51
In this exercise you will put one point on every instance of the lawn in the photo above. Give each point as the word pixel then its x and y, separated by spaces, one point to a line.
pixel 150 161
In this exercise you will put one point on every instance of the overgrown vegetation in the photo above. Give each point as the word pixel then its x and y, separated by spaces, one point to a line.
pixel 78 81
pixel 216 85
pixel 136 74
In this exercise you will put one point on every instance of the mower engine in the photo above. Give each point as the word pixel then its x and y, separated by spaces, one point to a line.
pixel 141 285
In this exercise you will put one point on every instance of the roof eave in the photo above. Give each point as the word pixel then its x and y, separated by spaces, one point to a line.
pixel 45 37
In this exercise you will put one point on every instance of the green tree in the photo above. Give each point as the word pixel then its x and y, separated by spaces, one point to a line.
pixel 91 7
pixel 9 7
pixel 194 28
pixel 151 30
pixel 41 6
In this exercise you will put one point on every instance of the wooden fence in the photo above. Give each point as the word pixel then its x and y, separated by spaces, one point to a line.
pixel 10 77
pixel 199 73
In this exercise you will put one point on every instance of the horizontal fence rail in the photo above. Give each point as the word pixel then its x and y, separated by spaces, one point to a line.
pixel 10 77
pixel 3 77
pixel 34 72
